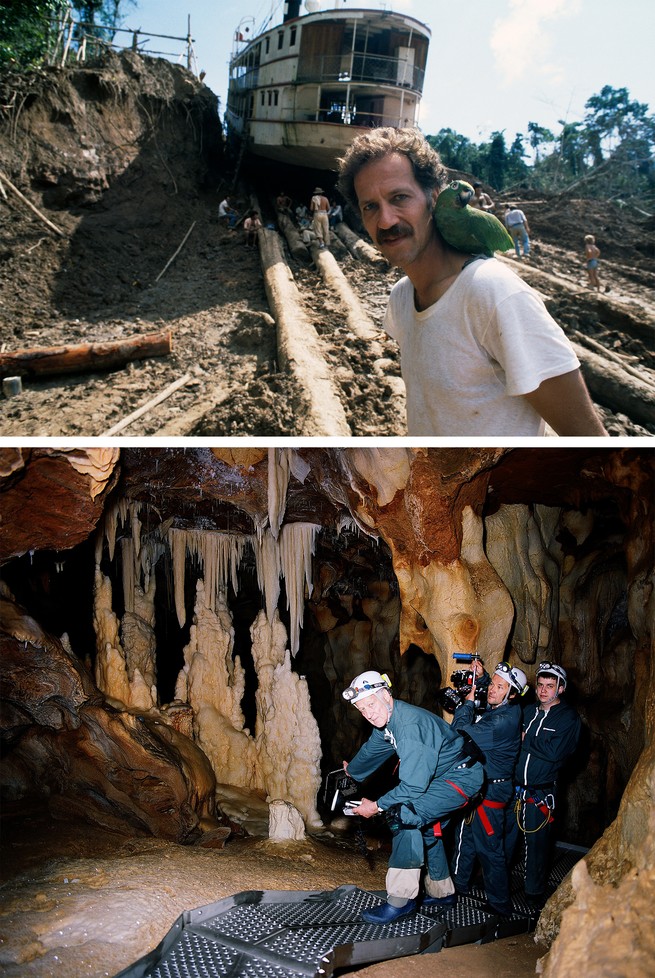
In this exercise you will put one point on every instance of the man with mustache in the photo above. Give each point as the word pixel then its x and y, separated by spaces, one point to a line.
pixel 480 355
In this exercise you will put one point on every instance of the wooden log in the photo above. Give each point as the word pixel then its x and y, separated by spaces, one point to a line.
pixel 358 320
pixel 358 247
pixel 628 317
pixel 292 235
pixel 84 357
pixel 298 345
pixel 616 389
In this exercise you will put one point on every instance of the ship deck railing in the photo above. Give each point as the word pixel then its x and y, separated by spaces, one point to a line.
pixel 340 69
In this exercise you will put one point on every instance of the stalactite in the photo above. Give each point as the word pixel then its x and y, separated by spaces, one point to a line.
pixel 220 555
pixel 297 543
pixel 278 483
pixel 128 558
pixel 267 563
pixel 517 541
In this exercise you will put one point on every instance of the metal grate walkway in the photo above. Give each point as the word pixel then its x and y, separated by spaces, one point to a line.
pixel 287 934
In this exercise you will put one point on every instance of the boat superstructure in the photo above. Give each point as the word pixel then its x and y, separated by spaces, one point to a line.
pixel 299 92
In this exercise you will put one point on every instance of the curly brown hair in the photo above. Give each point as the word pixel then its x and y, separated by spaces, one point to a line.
pixel 429 171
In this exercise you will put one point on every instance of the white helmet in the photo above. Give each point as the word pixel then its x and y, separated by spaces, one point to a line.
pixel 552 669
pixel 512 675
pixel 365 684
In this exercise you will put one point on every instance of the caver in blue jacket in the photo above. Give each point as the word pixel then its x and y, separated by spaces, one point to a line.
pixel 550 736
pixel 497 732
pixel 436 778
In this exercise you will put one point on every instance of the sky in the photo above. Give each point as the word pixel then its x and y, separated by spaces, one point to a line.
pixel 493 65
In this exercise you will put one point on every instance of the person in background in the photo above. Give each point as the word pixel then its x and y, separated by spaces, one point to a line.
pixel 551 730
pixel 283 203
pixel 226 213
pixel 497 733
pixel 480 199
pixel 335 215
pixel 517 224
pixel 591 255
pixel 438 774
pixel 319 207
pixel 251 226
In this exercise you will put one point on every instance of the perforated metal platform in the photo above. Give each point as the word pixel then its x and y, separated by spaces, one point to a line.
pixel 287 934
pixel 283 934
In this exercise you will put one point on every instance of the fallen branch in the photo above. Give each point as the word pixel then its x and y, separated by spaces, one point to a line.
pixel 83 357
pixel 148 406
pixel 42 217
pixel 171 260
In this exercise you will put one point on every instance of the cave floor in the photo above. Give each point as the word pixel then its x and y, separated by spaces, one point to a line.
pixel 76 900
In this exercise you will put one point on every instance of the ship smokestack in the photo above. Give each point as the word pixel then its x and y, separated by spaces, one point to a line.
pixel 291 10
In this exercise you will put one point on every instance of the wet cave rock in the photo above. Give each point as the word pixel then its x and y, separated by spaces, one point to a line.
pixel 174 619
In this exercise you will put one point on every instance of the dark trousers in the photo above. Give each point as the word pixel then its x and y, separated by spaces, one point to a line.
pixel 482 837
pixel 532 823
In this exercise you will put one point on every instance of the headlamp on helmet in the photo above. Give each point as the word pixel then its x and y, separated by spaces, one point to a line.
pixel 554 671
pixel 512 675
pixel 365 684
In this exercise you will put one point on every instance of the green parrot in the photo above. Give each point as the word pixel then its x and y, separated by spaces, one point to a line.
pixel 467 228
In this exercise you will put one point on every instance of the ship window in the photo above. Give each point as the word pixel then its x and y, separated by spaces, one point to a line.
pixel 292 37
pixel 263 98
pixel 275 96
pixel 280 40
pixel 270 98
pixel 268 44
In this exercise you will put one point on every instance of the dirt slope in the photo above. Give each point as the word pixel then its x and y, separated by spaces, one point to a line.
pixel 126 159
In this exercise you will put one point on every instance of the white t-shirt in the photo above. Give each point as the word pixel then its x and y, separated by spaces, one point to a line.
pixel 467 359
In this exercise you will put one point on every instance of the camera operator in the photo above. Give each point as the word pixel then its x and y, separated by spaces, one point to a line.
pixel 464 680
pixel 497 732
pixel 437 775
pixel 551 730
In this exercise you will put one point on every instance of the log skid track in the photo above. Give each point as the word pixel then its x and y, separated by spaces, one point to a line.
pixel 230 342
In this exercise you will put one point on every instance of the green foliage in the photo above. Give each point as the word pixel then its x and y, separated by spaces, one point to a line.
pixel 25 30
pixel 610 152
pixel 27 26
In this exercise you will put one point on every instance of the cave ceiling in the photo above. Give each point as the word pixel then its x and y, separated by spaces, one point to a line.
pixel 54 498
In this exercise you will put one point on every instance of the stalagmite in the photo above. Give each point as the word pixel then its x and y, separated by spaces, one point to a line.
pixel 287 735
pixel 285 822
pixel 213 685
pixel 110 666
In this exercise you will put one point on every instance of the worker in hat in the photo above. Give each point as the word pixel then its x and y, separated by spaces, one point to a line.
pixel 438 773
pixel 481 835
pixel 319 207
pixel 551 730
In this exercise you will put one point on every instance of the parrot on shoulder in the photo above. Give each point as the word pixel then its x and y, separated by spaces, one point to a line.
pixel 467 228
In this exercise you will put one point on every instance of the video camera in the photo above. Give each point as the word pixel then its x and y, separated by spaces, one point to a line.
pixel 340 790
pixel 462 680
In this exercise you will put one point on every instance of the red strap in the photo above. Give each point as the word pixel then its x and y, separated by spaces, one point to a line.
pixel 436 830
pixel 543 808
pixel 484 818
pixel 457 788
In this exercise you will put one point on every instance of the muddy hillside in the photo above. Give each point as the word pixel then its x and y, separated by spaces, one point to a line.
pixel 110 180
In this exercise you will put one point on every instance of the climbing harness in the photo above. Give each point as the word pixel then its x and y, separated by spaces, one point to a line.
pixel 545 804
